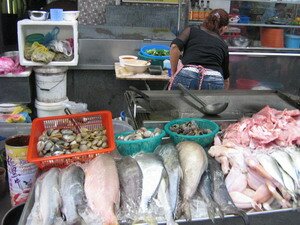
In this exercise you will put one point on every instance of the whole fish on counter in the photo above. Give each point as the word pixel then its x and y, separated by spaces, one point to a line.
pixel 46 209
pixel 72 193
pixel 163 197
pixel 170 158
pixel 220 193
pixel 152 169
pixel 205 188
pixel 193 161
pixel 102 188
pixel 34 216
pixel 131 184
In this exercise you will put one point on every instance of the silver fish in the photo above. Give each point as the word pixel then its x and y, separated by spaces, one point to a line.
pixel 152 168
pixel 295 156
pixel 50 200
pixel 193 161
pixel 205 189
pixel 220 193
pixel 288 181
pixel 170 158
pixel 34 216
pixel 286 163
pixel 271 166
pixel 72 193
pixel 131 184
pixel 163 196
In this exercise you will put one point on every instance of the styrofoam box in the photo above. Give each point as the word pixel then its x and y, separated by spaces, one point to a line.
pixel 68 29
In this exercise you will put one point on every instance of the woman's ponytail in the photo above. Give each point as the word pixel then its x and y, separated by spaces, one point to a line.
pixel 216 19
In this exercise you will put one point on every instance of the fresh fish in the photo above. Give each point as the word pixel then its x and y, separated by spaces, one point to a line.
pixel 170 158
pixel 286 163
pixel 34 216
pixel 288 181
pixel 220 193
pixel 271 166
pixel 72 193
pixel 50 200
pixel 295 156
pixel 193 161
pixel 131 181
pixel 205 189
pixel 163 196
pixel 152 168
pixel 102 188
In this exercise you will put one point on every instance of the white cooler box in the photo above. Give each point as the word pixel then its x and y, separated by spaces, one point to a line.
pixel 67 29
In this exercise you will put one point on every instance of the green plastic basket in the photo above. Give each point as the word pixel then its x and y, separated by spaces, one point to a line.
pixel 204 139
pixel 132 147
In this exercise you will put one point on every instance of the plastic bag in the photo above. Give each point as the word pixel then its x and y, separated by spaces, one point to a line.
pixel 6 65
pixel 61 47
pixel 41 54
pixel 62 57
pixel 76 107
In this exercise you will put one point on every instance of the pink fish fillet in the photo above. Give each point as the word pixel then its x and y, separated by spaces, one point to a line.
pixel 102 188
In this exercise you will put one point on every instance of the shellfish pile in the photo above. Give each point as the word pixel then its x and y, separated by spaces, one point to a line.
pixel 140 134
pixel 189 128
pixel 55 142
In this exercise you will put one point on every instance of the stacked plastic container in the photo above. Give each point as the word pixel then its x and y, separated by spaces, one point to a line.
pixel 51 90
pixel 51 78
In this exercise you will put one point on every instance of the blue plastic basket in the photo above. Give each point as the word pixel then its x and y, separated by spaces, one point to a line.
pixel 133 147
pixel 157 47
pixel 204 139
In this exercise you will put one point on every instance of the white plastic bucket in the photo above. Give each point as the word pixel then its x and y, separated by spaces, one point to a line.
pixel 51 84
pixel 45 109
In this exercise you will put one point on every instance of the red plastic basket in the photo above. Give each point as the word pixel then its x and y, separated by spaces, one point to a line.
pixel 90 120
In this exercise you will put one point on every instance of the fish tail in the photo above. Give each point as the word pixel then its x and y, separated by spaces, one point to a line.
pixel 213 209
pixel 244 216
pixel 186 210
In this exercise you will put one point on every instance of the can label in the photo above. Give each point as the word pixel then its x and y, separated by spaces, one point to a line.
pixel 21 174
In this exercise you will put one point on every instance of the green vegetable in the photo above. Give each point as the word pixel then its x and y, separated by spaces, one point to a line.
pixel 158 52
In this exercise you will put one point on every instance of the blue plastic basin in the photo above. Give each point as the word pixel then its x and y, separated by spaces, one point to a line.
pixel 157 47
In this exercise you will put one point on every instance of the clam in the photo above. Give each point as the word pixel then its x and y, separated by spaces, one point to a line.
pixel 83 148
pixel 69 137
pixel 48 145
pixel 40 145
pixel 66 131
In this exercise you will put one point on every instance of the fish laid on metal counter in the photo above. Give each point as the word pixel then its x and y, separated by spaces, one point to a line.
pixel 152 168
pixel 102 188
pixel 285 161
pixel 170 158
pixel 193 161
pixel 72 193
pixel 164 198
pixel 131 184
pixel 34 216
pixel 220 193
pixel 205 188
pixel 46 209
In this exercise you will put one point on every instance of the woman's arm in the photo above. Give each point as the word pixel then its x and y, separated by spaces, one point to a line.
pixel 174 57
pixel 226 84
pixel 177 46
